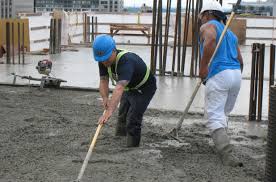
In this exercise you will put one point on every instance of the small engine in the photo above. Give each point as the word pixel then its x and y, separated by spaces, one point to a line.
pixel 44 67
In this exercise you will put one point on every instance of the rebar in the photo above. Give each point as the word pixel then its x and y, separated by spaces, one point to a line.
pixel 186 32
pixel 252 109
pixel 272 65
pixel 261 81
pixel 8 43
pixel 153 53
pixel 13 43
pixel 18 42
pixel 23 43
pixel 167 27
pixel 178 13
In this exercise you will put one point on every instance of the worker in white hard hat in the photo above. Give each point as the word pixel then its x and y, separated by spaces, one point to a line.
pixel 222 78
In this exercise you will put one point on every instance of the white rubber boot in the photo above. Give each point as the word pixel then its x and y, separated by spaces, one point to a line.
pixel 224 148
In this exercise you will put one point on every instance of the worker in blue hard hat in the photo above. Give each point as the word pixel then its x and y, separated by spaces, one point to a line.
pixel 222 77
pixel 134 87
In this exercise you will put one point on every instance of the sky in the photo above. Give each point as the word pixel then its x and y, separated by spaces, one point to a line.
pixel 138 3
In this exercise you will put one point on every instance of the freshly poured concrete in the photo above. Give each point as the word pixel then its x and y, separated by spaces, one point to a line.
pixel 45 135
pixel 80 70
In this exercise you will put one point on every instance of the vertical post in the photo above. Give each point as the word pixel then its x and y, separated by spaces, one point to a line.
pixel 12 42
pixel 54 36
pixel 261 80
pixel 19 42
pixel 153 54
pixel 88 29
pixel 167 27
pixel 157 35
pixel 256 80
pixel 198 52
pixel 193 41
pixel 23 43
pixel 84 27
pixel 59 35
pixel 8 43
pixel 272 65
pixel 51 37
pixel 96 26
pixel 179 41
pixel 160 34
pixel 251 114
pixel 186 32
pixel 176 34
pixel 92 32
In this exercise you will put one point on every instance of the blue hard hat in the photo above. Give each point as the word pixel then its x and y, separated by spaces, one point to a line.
pixel 103 46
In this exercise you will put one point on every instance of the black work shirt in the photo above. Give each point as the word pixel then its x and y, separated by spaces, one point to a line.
pixel 131 68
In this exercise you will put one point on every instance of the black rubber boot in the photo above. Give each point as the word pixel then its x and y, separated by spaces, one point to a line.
pixel 224 148
pixel 133 141
pixel 120 129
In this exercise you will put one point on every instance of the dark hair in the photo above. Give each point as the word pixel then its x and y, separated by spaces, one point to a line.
pixel 220 16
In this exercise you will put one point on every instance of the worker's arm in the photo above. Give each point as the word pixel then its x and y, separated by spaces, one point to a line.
pixel 240 58
pixel 104 90
pixel 114 101
pixel 208 35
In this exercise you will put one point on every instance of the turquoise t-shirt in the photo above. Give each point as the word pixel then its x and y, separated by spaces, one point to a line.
pixel 227 54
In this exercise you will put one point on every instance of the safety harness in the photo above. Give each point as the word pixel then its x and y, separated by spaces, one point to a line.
pixel 114 78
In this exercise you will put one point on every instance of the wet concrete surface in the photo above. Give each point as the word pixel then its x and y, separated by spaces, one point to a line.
pixel 45 135
pixel 80 70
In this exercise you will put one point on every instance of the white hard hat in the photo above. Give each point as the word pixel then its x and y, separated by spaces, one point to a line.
pixel 211 5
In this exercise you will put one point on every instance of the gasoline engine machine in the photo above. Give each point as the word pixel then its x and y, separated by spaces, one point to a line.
pixel 43 67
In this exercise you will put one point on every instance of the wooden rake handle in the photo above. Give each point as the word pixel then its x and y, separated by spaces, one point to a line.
pixel 93 143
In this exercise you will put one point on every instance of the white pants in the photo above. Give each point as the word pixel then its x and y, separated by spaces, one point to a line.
pixel 220 96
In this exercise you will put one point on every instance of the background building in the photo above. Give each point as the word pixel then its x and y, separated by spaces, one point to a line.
pixel 23 6
pixel 267 8
pixel 10 8
pixel 80 5
pixel 7 9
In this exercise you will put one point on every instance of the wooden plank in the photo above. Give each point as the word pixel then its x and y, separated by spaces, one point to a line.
pixel 15 21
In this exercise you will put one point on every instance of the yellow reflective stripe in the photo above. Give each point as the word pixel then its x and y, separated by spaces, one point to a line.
pixel 144 79
pixel 118 58
pixel 120 55
pixel 110 76
pixel 113 80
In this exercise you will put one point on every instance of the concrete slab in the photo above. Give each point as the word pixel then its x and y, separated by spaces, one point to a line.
pixel 80 70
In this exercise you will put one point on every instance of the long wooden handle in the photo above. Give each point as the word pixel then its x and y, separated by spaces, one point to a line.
pixel 85 162
pixel 179 124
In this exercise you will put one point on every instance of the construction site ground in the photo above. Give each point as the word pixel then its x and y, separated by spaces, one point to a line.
pixel 45 135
